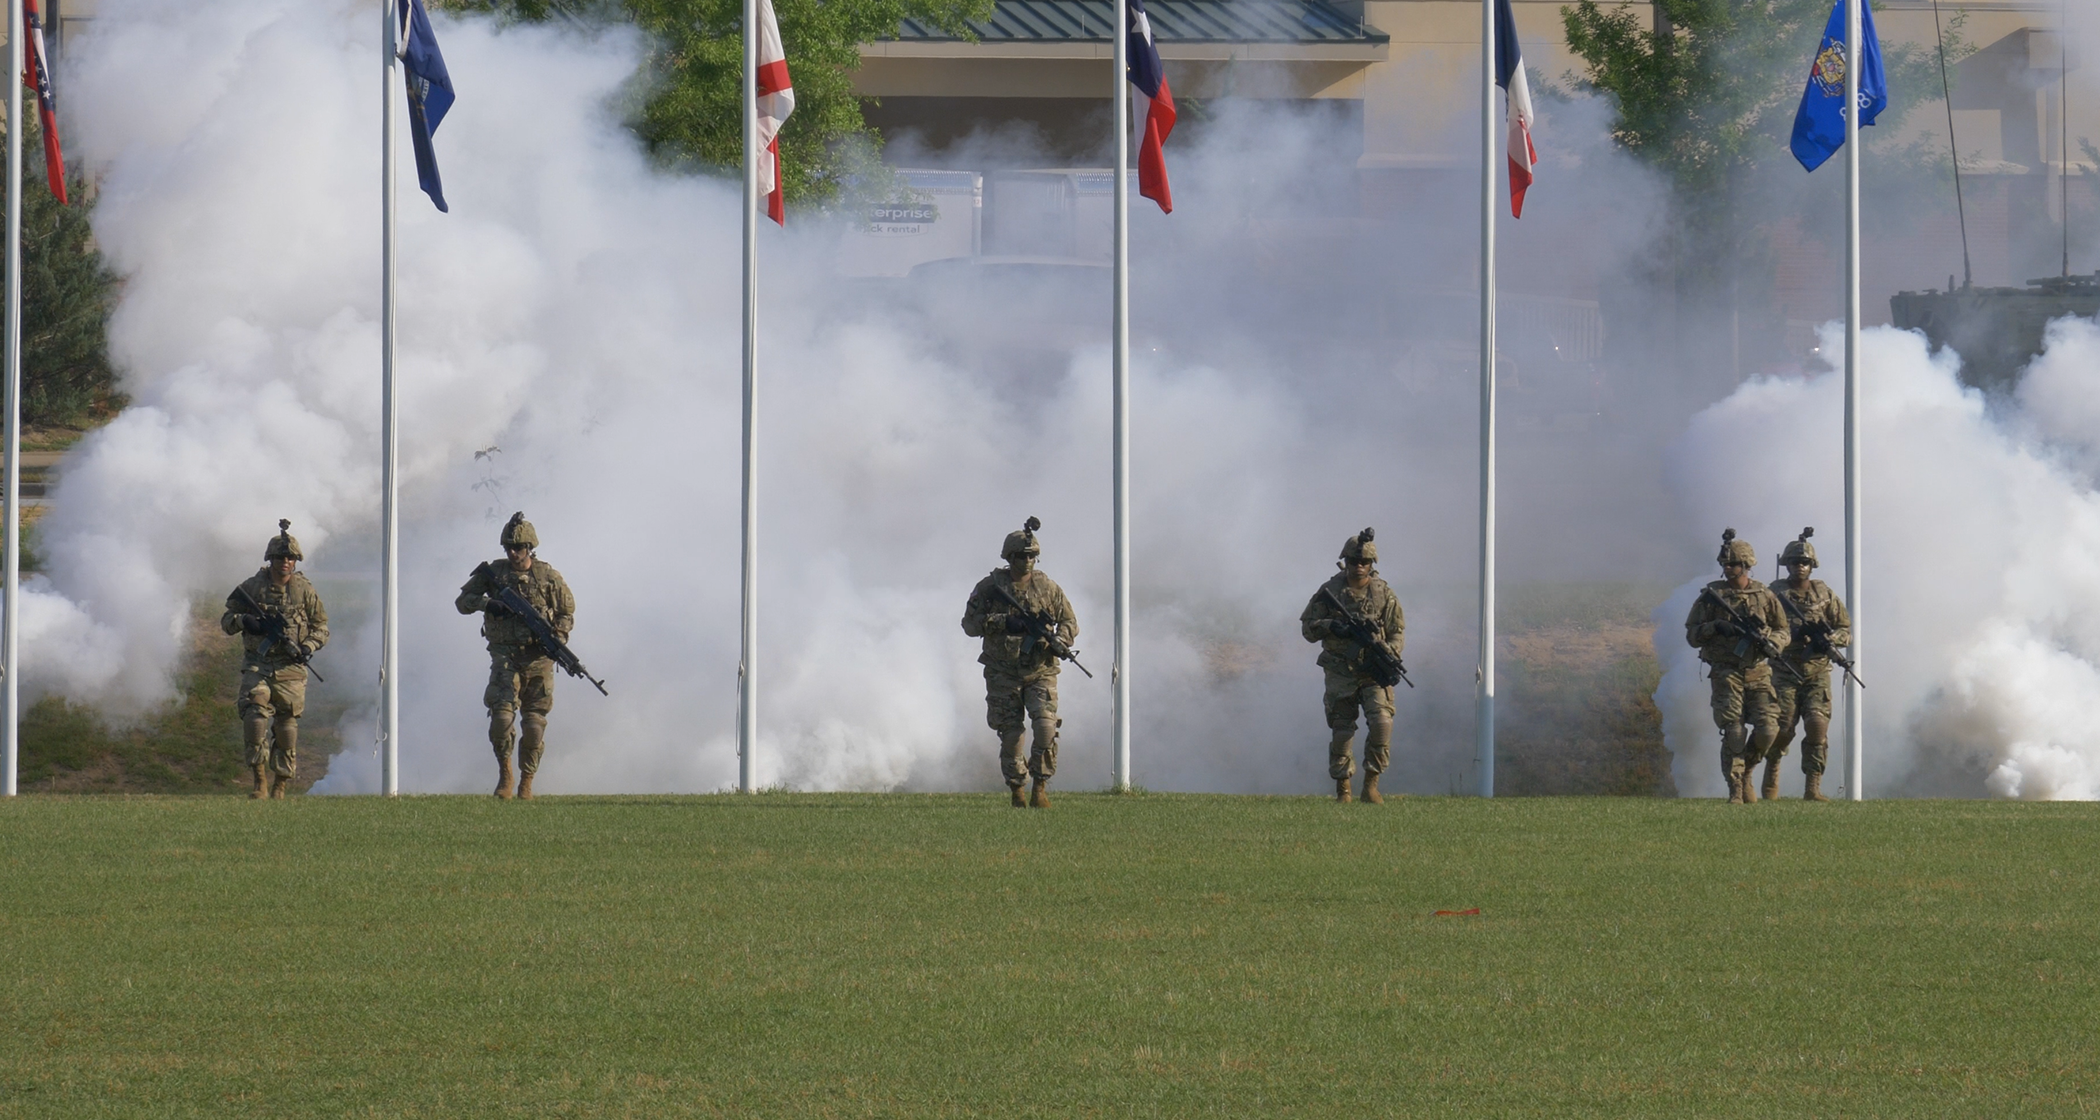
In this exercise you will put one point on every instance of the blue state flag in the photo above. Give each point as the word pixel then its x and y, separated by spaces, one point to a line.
pixel 429 92
pixel 1819 125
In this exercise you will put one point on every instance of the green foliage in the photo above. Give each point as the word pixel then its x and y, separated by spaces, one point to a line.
pixel 1708 98
pixel 690 109
pixel 1713 90
pixel 67 294
pixel 948 957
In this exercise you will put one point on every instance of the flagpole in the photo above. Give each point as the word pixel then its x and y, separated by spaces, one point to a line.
pixel 1119 677
pixel 1855 723
pixel 1484 711
pixel 747 663
pixel 10 632
pixel 389 510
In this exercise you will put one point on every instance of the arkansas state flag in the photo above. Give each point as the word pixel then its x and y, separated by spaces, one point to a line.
pixel 1153 106
pixel 776 99
pixel 1509 74
pixel 36 76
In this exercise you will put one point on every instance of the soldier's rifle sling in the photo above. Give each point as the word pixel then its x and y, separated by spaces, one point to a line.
pixel 510 602
pixel 1364 634
pixel 273 634
pixel 1818 636
pixel 1041 628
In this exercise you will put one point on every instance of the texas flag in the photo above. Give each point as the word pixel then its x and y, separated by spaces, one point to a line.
pixel 36 75
pixel 1153 106
pixel 1509 74
pixel 776 99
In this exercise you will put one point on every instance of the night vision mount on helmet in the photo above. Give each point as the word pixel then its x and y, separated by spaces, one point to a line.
pixel 1734 551
pixel 283 544
pixel 519 531
pixel 1800 549
pixel 1359 547
pixel 1022 540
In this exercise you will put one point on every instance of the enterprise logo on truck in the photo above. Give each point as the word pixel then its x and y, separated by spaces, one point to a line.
pixel 902 218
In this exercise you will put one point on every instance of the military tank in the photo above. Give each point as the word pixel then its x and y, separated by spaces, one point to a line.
pixel 1997 331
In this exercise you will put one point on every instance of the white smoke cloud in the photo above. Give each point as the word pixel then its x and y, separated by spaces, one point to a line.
pixel 1981 620
pixel 579 311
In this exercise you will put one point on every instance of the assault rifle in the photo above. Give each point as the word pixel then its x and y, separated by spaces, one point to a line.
pixel 1039 627
pixel 1384 665
pixel 506 600
pixel 1751 631
pixel 1817 637
pixel 273 632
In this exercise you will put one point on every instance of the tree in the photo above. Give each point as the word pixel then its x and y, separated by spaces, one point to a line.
pixel 1707 96
pixel 67 293
pixel 690 111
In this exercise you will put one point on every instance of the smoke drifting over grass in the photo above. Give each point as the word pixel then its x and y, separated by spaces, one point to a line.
pixel 1982 610
pixel 1293 381
pixel 579 311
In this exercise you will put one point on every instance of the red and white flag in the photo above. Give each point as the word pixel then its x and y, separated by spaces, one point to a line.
pixel 776 99
pixel 1509 74
pixel 36 77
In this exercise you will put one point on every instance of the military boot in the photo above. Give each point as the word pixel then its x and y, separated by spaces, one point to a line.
pixel 1039 797
pixel 1749 784
pixel 503 778
pixel 1371 794
pixel 1771 790
pixel 1735 788
pixel 524 787
pixel 262 784
pixel 1020 799
pixel 278 784
pixel 1341 790
pixel 1813 791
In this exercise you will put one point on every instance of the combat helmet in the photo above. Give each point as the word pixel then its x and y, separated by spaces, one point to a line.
pixel 1800 549
pixel 519 531
pixel 1734 551
pixel 1359 547
pixel 1022 540
pixel 284 543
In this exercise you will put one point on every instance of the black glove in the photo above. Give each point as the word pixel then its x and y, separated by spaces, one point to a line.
pixel 1015 624
pixel 253 624
pixel 1725 628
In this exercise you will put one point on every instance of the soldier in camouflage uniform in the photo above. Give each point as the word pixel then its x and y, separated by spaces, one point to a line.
pixel 521 675
pixel 1738 662
pixel 1350 685
pixel 273 669
pixel 1802 674
pixel 1018 684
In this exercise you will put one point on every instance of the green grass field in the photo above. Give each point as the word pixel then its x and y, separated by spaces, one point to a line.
pixel 931 956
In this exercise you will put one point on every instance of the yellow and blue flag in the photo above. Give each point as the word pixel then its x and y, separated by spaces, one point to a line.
pixel 1819 125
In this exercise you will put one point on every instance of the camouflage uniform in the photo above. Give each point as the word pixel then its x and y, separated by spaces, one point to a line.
pixel 1349 686
pixel 521 675
pixel 1020 687
pixel 273 685
pixel 1738 667
pixel 1802 676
